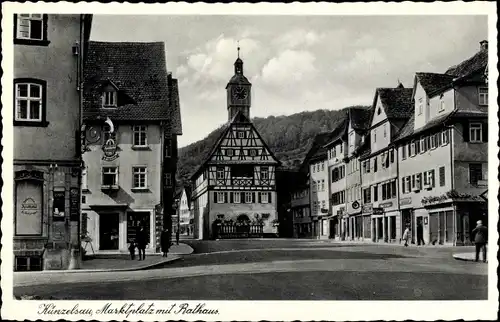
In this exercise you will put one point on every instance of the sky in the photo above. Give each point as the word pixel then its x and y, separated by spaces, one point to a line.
pixel 295 63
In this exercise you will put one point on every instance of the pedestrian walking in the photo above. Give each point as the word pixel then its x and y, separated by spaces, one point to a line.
pixel 131 249
pixel 165 241
pixel 406 235
pixel 480 234
pixel 420 232
pixel 142 241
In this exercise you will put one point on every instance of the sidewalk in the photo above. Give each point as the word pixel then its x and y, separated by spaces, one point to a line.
pixel 470 257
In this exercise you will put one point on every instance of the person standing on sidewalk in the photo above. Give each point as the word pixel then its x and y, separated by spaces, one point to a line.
pixel 420 232
pixel 131 249
pixel 165 241
pixel 480 234
pixel 142 241
pixel 406 235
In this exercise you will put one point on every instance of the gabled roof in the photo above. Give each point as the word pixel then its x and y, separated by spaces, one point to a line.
pixel 137 69
pixel 470 65
pixel 239 118
pixel 397 102
pixel 360 118
pixel 433 83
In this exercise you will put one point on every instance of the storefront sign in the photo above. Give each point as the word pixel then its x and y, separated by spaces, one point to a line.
pixel 28 208
pixel 386 204
pixel 405 201
pixel 74 204
pixel 378 211
pixel 367 208
pixel 110 150
pixel 355 205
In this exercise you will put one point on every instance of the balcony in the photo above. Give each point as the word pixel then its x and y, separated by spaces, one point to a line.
pixel 242 181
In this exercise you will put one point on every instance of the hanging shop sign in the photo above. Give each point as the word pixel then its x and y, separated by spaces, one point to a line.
pixel 110 150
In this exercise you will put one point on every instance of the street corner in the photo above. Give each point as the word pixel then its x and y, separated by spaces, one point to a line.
pixel 469 257
pixel 181 249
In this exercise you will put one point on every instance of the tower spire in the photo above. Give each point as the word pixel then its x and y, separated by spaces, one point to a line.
pixel 239 49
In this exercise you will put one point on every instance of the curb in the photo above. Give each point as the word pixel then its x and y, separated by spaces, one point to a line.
pixel 466 257
pixel 104 270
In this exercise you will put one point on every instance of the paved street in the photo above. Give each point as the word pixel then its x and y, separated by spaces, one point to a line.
pixel 279 269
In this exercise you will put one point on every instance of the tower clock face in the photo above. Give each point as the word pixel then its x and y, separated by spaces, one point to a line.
pixel 240 93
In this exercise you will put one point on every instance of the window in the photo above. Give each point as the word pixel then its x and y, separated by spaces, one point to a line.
pixel 391 155
pixel 413 181
pixel 375 163
pixel 248 197
pixel 341 147
pixel 442 178
pixel 30 102
pixel 433 141
pixel 420 105
pixel 30 29
pixel 476 132
pixel 368 166
pixel 168 179
pixel 109 99
pixel 375 192
pixel 109 176
pixel 229 152
pixel 445 137
pixel 236 197
pixel 483 95
pixel 367 195
pixel 323 204
pixel 220 197
pixel 403 152
pixel 264 173
pixel 412 149
pixel 323 185
pixel 25 263
pixel 220 173
pixel 84 179
pixel 441 105
pixel 140 135
pixel 240 134
pixel 418 179
pixel 322 166
pixel 140 177
pixel 374 135
pixel 253 152
pixel 168 148
pixel 422 145
pixel 385 130
pixel 264 197
pixel 475 173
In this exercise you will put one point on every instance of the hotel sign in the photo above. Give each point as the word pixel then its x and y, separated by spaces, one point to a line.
pixel 110 150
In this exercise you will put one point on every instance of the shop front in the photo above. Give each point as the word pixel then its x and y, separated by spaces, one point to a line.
pixel 111 229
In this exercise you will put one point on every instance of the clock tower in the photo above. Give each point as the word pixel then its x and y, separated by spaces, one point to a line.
pixel 238 91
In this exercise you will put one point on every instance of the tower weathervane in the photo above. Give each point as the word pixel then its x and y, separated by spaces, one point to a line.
pixel 239 49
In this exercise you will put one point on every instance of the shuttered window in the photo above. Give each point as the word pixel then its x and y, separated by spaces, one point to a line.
pixel 442 178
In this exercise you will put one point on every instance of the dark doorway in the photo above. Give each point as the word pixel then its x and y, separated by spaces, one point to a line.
pixel 108 231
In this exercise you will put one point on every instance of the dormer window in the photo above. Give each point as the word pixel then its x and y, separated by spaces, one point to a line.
pixel 109 99
pixel 420 105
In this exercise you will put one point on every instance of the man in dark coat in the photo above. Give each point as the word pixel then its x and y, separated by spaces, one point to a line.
pixel 142 241
pixel 420 232
pixel 480 234
pixel 165 241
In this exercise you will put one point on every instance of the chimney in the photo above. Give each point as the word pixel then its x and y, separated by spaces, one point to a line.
pixel 483 45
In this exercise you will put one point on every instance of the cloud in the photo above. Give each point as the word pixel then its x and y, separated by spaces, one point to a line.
pixel 291 66
pixel 300 38
pixel 181 71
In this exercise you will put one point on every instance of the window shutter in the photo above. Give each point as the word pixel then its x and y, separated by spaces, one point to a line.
pixel 260 197
pixel 438 139
pixel 485 132
pixel 242 197
pixel 465 126
pixel 253 197
pixel 269 197
pixel 403 188
pixel 226 197
pixel 433 180
pixel 231 200
pixel 215 197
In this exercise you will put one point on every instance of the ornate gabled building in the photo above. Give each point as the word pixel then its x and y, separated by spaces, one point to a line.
pixel 132 119
pixel 236 182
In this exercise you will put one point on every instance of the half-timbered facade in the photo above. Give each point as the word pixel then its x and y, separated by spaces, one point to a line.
pixel 237 181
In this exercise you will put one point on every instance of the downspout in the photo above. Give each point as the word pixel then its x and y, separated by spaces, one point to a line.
pixel 451 140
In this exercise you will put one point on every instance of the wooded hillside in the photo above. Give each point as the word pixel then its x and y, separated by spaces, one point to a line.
pixel 289 138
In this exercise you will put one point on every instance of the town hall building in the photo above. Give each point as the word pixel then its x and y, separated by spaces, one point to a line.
pixel 235 187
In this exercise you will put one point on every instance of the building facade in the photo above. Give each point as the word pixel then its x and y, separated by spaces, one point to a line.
pixel 132 119
pixel 379 169
pixel 443 153
pixel 237 182
pixel 358 139
pixel 48 60
pixel 184 212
